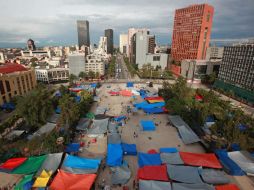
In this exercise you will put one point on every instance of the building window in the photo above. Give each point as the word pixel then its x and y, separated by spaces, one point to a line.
pixel 156 58
pixel 208 17
pixel 8 86
pixel 2 87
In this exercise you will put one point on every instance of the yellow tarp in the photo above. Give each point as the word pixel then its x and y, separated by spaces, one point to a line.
pixel 155 101
pixel 43 179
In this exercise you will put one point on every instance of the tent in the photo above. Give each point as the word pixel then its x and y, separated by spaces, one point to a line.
pixel 147 125
pixel 90 115
pixel 158 173
pixel 120 174
pixel 100 110
pixel 140 105
pixel 51 163
pixel 129 149
pixel 72 147
pixel 244 160
pixel 153 110
pixel 42 179
pixel 155 98
pixel 83 124
pixel 154 185
pixel 98 127
pixel 212 176
pixel 198 186
pixel 198 159
pixel 168 150
pixel 114 155
pixel 152 151
pixel 12 163
pixel 125 93
pixel 47 128
pixel 227 187
pixel 155 101
pixel 184 174
pixel 81 163
pixel 155 105
pixel 78 171
pixel 129 84
pixel 31 165
pixel 119 118
pixel 114 138
pixel 53 119
pixel 229 165
pixel 67 181
pixel 112 127
pixel 22 185
pixel 145 159
pixel 9 180
pixel 171 158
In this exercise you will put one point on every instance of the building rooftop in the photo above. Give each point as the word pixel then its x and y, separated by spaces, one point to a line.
pixel 11 68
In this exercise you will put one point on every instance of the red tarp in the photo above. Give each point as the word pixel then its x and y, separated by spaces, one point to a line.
pixel 154 98
pixel 195 159
pixel 199 97
pixel 113 93
pixel 152 151
pixel 126 93
pixel 12 163
pixel 69 181
pixel 158 173
pixel 76 89
pixel 227 187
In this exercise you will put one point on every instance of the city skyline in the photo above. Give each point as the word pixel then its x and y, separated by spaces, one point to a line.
pixel 54 23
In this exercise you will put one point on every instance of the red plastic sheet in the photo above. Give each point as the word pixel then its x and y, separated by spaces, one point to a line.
pixel 227 187
pixel 158 173
pixel 154 98
pixel 126 93
pixel 69 181
pixel 195 159
pixel 152 151
pixel 113 93
pixel 12 163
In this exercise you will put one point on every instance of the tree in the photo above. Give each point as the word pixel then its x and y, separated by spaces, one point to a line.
pixel 63 90
pixel 85 103
pixel 97 75
pixel 82 75
pixel 72 78
pixel 34 59
pixel 91 74
pixel 33 64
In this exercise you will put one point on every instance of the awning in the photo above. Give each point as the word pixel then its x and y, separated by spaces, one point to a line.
pixel 157 173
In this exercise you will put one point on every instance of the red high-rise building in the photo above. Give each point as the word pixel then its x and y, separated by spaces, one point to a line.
pixel 191 33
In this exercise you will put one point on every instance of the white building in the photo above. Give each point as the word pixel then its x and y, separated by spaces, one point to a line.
pixel 76 63
pixel 36 53
pixel 158 59
pixel 96 63
pixel 103 44
pixel 123 43
pixel 54 61
pixel 214 53
pixel 2 57
pixel 52 75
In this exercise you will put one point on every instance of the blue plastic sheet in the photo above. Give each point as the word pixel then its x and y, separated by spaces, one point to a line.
pixel 73 147
pixel 129 149
pixel 154 105
pixel 210 119
pixel 147 125
pixel 120 118
pixel 58 110
pixel 77 99
pixel 129 84
pixel 153 110
pixel 81 163
pixel 140 105
pixel 242 127
pixel 93 85
pixel 168 150
pixel 145 159
pixel 230 166
pixel 8 106
pixel 114 155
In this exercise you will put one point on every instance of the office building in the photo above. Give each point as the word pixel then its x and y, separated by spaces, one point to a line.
pixel 151 44
pixel 237 71
pixel 214 53
pixel 103 44
pixel 191 32
pixel 48 75
pixel 123 43
pixel 15 80
pixel 76 63
pixel 31 45
pixel 35 53
pixel 83 33
pixel 110 41
pixel 95 64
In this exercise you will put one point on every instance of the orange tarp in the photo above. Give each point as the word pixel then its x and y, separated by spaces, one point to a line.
pixel 155 101
pixel 126 93
pixel 69 181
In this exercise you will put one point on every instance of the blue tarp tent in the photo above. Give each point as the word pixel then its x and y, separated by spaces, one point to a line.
pixel 147 125
pixel 81 163
pixel 229 165
pixel 77 99
pixel 235 147
pixel 73 147
pixel 8 106
pixel 153 110
pixel 93 85
pixel 120 118
pixel 114 155
pixel 143 93
pixel 129 84
pixel 145 159
pixel 140 105
pixel 58 110
pixel 129 149
pixel 155 105
pixel 242 127
pixel 168 150
pixel 210 119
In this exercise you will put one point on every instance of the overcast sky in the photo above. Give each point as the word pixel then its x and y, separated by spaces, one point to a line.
pixel 53 22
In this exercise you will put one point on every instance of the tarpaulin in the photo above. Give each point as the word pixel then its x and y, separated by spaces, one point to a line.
pixel 184 174
pixel 129 149
pixel 100 110
pixel 171 158
pixel 154 185
pixel 147 125
pixel 48 127
pixel 112 127
pixel 227 187
pixel 155 98
pixel 114 155
pixel 140 105
pixel 184 186
pixel 129 84
pixel 229 165
pixel 9 180
pixel 158 173
pixel 120 118
pixel 93 85
pixel 113 93
pixel 177 121
pixel 42 180
pixel 31 165
pixel 83 124
pixel 114 138
pixel 22 184
pixel 81 163
pixel 244 161
pixel 168 150
pixel 68 181
pixel 187 135
pixel 73 147
pixel 53 118
pixel 155 101
pixel 152 151
pixel 212 176
pixel 198 159
pixel 79 171
pixel 12 163
pixel 125 93
pixel 51 163
pixel 145 159
pixel 99 127
pixel 120 174
pixel 155 105
pixel 153 110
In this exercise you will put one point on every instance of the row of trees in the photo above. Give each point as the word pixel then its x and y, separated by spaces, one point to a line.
pixel 149 71
pixel 180 100
pixel 112 67
pixel 84 76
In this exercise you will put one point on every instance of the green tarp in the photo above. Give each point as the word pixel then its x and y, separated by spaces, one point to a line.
pixel 31 165
pixel 25 179
pixel 90 115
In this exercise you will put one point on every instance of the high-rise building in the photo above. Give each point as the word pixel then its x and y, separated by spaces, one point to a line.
pixel 31 45
pixel 214 53
pixel 2 60
pixel 76 63
pixel 151 44
pixel 110 41
pixel 83 33
pixel 103 44
pixel 123 43
pixel 191 32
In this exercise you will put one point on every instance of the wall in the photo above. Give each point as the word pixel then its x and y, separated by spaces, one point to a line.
pixel 76 63
pixel 162 62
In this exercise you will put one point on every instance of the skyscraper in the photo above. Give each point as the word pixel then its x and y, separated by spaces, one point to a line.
pixel 110 42
pixel 123 42
pixel 191 33
pixel 83 33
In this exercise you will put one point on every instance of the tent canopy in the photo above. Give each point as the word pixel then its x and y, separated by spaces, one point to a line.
pixel 83 124
pixel 129 149
pixel 120 174
pixel 212 176
pixel 12 163
pixel 147 125
pixel 114 138
pixel 145 159
pixel 72 147
pixel 23 183
pixel 114 155
pixel 154 185
pixel 227 187
pixel 153 110
pixel 168 150
pixel 197 159
pixel 158 173
pixel 198 186
pixel 129 84
pixel 171 158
